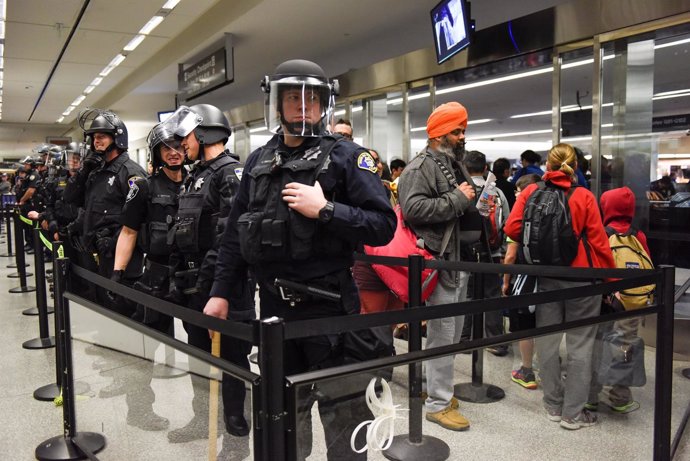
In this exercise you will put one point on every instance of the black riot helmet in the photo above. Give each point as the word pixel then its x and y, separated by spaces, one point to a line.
pixel 103 121
pixel 160 135
pixel 29 160
pixel 71 156
pixel 307 84
pixel 214 126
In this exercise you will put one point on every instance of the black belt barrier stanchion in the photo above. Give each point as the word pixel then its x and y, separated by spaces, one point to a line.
pixel 44 341
pixel 664 365
pixel 415 445
pixel 8 225
pixel 18 232
pixel 19 258
pixel 71 445
pixel 272 423
pixel 40 277
pixel 476 391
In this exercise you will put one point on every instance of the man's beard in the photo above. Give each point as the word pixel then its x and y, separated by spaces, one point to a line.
pixel 456 152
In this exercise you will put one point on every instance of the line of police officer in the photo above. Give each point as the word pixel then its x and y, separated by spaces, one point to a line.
pixel 306 201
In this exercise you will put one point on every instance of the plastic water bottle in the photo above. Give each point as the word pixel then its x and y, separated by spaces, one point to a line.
pixel 486 198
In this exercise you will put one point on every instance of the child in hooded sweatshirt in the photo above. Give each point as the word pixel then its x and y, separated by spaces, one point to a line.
pixel 617 210
pixel 564 402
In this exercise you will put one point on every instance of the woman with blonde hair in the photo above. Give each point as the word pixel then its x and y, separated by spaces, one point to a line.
pixel 565 401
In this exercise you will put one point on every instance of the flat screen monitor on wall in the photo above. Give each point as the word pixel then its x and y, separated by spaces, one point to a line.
pixel 451 26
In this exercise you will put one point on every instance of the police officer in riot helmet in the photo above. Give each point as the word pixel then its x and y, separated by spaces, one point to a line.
pixel 101 187
pixel 147 216
pixel 204 205
pixel 307 200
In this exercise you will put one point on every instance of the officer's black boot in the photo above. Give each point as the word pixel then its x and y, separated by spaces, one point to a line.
pixel 197 427
pixel 140 398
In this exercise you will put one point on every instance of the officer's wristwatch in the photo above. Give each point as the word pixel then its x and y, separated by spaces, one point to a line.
pixel 326 213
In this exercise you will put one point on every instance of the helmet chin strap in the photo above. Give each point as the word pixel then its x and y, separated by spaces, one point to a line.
pixel 173 167
pixel 107 150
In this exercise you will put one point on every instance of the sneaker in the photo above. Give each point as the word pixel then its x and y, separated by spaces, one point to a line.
pixel 584 419
pixel 195 429
pixel 554 414
pixel 454 402
pixel 449 418
pixel 499 351
pixel 594 406
pixel 524 377
pixel 148 421
pixel 625 408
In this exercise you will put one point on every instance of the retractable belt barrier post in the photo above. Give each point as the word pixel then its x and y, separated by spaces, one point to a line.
pixel 44 341
pixel 6 212
pixel 71 445
pixel 476 391
pixel 415 445
pixel 271 425
pixel 19 258
pixel 49 392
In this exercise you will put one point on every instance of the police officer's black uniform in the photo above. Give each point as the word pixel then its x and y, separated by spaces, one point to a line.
pixel 205 202
pixel 150 210
pixel 280 243
pixel 102 193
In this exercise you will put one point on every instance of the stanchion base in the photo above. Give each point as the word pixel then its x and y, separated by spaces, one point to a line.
pixel 478 393
pixel 7 255
pixel 26 289
pixel 429 449
pixel 16 275
pixel 39 343
pixel 34 311
pixel 63 448
pixel 48 392
pixel 165 371
pixel 11 266
pixel 686 373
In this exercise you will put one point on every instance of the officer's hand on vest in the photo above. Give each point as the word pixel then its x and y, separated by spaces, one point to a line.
pixel 304 199
pixel 115 277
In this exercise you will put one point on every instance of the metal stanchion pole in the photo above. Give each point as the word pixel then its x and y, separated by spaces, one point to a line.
pixel 415 445
pixel 71 445
pixel 476 391
pixel 44 341
pixel 48 392
pixel 664 366
pixel 19 258
pixel 271 358
pixel 8 225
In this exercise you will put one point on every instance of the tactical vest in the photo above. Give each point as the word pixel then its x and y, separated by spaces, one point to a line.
pixel 270 230
pixel 162 206
pixel 197 216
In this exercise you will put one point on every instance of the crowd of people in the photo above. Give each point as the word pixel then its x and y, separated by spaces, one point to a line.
pixel 204 230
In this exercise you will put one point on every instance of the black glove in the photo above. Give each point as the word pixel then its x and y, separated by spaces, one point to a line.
pixel 115 277
pixel 92 161
pixel 104 245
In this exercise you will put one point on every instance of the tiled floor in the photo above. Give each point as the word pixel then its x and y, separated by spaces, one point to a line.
pixel 512 428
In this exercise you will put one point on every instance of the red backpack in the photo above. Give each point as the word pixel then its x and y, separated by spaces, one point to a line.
pixel 403 244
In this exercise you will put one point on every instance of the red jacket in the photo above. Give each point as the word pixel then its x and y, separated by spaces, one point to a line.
pixel 618 210
pixel 585 215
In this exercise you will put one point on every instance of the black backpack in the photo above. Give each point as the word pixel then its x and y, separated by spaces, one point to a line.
pixel 547 234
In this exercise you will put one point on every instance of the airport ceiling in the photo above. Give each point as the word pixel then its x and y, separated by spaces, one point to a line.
pixel 47 64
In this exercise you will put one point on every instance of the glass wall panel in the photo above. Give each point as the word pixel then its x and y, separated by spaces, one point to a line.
pixel 420 106
pixel 645 79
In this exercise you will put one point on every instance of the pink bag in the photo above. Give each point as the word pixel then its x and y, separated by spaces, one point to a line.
pixel 403 244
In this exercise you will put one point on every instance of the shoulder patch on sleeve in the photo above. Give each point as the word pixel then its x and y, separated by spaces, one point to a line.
pixel 132 180
pixel 32 177
pixel 366 162
pixel 133 191
pixel 238 172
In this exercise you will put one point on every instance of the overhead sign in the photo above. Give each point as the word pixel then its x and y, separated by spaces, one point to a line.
pixel 671 122
pixel 211 69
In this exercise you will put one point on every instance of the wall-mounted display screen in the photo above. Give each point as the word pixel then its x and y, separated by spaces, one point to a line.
pixel 451 25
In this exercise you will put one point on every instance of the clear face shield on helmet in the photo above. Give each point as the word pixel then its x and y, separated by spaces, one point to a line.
pixel 180 123
pixel 93 121
pixel 298 105
pixel 72 160
pixel 165 148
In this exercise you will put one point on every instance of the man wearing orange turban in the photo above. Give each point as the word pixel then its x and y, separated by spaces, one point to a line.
pixel 437 197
